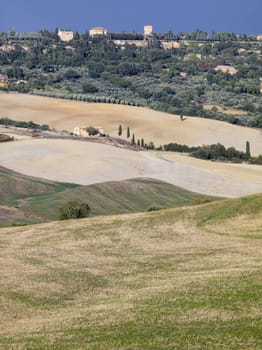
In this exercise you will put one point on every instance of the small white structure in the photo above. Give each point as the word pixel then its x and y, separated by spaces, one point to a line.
pixel 226 69
pixel 259 37
pixel 167 45
pixel 148 30
pixel 65 35
pixel 97 31
pixel 80 131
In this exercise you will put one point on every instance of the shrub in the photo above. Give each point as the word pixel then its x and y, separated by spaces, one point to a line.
pixel 204 200
pixel 74 210
pixel 89 88
pixel 154 208
pixel 92 131
pixel 5 138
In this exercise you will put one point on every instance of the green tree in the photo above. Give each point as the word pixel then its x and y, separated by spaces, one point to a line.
pixel 88 88
pixel 92 131
pixel 74 210
pixel 138 142
pixel 120 130
pixel 128 132
pixel 71 74
pixel 133 139
pixel 142 142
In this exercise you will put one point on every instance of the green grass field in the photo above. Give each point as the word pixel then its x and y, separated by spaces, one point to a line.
pixel 185 278
pixel 28 200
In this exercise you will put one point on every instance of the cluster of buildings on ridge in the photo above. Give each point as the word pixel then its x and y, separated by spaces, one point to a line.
pixel 67 36
pixel 98 31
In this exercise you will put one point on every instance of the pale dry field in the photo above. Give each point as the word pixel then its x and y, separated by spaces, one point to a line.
pixel 88 163
pixel 13 132
pixel 161 128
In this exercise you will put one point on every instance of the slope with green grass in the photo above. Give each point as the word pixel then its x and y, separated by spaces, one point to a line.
pixel 17 186
pixel 172 279
pixel 39 200
pixel 115 197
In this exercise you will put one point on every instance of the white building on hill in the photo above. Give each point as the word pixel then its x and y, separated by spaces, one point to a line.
pixel 148 30
pixel 65 35
pixel 97 31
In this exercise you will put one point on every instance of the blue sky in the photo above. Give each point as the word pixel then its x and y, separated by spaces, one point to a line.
pixel 239 16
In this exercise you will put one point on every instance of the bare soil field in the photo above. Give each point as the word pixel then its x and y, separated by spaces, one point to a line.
pixel 88 163
pixel 161 128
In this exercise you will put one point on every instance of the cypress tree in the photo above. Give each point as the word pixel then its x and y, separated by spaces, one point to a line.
pixel 133 139
pixel 120 130
pixel 248 154
pixel 128 132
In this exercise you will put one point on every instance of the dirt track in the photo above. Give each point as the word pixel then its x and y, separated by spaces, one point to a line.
pixel 86 163
pixel 161 128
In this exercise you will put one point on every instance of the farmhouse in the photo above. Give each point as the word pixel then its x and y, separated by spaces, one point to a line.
pixel 83 131
pixel 97 31
pixel 80 131
pixel 226 69
pixel 65 35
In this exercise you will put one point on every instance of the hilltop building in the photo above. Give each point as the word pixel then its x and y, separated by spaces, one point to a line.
pixel 65 35
pixel 97 31
pixel 259 37
pixel 148 31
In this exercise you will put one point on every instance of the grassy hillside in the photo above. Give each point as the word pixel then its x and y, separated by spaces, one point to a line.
pixel 115 197
pixel 34 201
pixel 17 186
pixel 187 278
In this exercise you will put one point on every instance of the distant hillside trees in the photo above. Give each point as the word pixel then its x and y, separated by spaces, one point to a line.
pixel 23 124
pixel 212 152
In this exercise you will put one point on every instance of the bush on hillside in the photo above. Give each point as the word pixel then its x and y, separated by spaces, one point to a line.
pixel 92 131
pixel 74 210
pixel 5 138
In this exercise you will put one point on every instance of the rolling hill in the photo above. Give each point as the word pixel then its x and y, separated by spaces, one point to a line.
pixel 159 127
pixel 185 278
pixel 87 163
pixel 27 200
